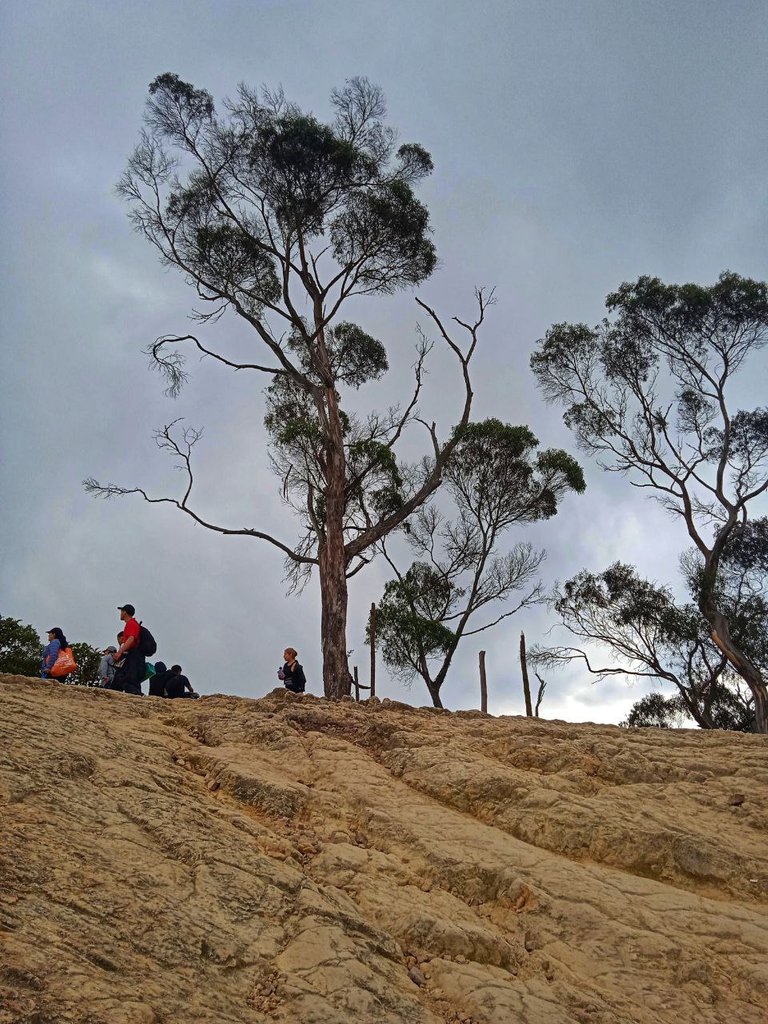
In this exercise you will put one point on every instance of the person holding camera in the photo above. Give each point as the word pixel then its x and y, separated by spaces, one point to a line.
pixel 291 673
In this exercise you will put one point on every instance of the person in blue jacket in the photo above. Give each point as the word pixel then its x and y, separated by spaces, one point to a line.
pixel 56 642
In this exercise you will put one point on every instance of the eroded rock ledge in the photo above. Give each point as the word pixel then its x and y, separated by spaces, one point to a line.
pixel 227 861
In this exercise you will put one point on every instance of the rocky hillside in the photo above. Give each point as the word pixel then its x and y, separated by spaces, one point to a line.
pixel 226 861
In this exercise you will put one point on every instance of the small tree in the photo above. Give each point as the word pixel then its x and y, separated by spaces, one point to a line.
pixel 281 219
pixel 495 480
pixel 654 711
pixel 88 660
pixel 729 710
pixel 20 648
pixel 648 394
pixel 649 636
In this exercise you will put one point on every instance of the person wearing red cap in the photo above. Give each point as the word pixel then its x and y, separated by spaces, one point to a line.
pixel 128 657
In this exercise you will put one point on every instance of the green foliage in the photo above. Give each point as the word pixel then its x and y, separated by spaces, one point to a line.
pixel 654 711
pixel 607 377
pixel 408 620
pixel 191 104
pixel 647 392
pixel 266 177
pixel 394 225
pixel 728 710
pixel 374 480
pixel 224 254
pixel 689 310
pixel 495 474
pixel 556 463
pixel 366 451
pixel 620 599
pixel 740 588
pixel 350 355
pixel 496 478
pixel 20 648
pixel 88 660
pixel 747 549
pixel 355 356
pixel 650 635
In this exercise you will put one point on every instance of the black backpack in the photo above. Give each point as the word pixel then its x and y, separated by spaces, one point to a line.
pixel 147 643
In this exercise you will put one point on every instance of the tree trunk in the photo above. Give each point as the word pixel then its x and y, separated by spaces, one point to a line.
pixel 333 620
pixel 721 635
pixel 434 693
pixel 434 685
pixel 332 563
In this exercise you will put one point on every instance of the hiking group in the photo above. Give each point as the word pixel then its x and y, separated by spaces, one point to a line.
pixel 122 668
pixel 125 668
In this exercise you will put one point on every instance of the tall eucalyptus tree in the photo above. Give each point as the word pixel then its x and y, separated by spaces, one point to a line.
pixel 281 219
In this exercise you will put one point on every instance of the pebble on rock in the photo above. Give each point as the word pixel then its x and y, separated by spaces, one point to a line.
pixel 417 976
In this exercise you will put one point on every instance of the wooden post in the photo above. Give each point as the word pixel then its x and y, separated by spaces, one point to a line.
pixel 526 684
pixel 373 648
pixel 356 680
pixel 483 685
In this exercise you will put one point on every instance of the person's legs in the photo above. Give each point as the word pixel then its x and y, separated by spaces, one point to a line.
pixel 135 669
pixel 118 680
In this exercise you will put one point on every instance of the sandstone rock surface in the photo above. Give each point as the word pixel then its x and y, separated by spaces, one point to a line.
pixel 292 860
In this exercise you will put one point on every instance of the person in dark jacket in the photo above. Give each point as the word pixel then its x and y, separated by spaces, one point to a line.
pixel 292 674
pixel 159 679
pixel 177 685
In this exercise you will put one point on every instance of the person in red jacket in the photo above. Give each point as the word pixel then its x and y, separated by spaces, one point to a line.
pixel 131 664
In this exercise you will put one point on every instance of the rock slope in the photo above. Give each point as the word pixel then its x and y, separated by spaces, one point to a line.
pixel 227 861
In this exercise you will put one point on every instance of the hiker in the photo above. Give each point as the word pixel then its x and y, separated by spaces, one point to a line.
pixel 292 673
pixel 159 679
pixel 111 684
pixel 129 658
pixel 177 685
pixel 57 642
pixel 107 666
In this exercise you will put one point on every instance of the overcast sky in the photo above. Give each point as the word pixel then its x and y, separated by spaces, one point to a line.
pixel 577 144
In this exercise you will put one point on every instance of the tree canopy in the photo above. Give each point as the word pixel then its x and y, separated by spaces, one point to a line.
pixel 20 648
pixel 646 634
pixel 648 393
pixel 495 479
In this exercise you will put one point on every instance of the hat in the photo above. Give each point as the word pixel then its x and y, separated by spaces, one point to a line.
pixel 126 608
pixel 110 650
